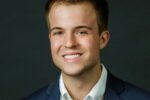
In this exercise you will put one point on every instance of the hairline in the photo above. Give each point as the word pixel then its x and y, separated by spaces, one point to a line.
pixel 101 27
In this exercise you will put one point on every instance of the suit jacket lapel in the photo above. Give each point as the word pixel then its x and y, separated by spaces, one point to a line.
pixel 114 88
pixel 53 91
pixel 111 95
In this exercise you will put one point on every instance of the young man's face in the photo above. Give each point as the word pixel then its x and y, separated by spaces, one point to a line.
pixel 74 38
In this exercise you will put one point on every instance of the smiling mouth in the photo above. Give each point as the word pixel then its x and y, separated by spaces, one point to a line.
pixel 72 57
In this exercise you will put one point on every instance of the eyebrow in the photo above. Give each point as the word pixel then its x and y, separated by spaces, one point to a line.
pixel 77 27
pixel 56 28
pixel 83 26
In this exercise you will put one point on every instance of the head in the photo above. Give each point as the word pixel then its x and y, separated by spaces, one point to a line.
pixel 100 7
pixel 76 33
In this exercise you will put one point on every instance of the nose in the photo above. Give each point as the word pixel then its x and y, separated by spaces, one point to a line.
pixel 70 40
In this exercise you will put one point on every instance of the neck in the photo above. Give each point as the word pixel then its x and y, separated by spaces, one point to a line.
pixel 79 86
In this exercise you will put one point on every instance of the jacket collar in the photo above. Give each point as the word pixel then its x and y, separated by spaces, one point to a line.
pixel 53 90
pixel 114 88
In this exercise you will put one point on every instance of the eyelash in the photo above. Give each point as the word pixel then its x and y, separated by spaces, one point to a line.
pixel 57 33
pixel 82 32
pixel 78 32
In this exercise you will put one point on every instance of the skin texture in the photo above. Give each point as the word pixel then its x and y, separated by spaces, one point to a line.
pixel 75 46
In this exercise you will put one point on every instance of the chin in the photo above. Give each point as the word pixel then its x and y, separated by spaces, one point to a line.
pixel 72 72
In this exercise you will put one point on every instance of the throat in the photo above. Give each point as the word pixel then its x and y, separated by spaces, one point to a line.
pixel 79 87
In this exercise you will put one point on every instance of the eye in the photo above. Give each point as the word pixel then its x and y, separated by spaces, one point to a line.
pixel 82 32
pixel 57 33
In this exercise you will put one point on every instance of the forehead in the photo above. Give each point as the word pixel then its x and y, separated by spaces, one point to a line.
pixel 67 4
pixel 77 12
pixel 77 8
pixel 85 7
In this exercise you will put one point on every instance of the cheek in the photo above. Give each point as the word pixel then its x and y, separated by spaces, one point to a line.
pixel 55 45
pixel 91 44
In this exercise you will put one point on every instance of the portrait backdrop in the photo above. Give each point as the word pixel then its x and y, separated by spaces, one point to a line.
pixel 25 59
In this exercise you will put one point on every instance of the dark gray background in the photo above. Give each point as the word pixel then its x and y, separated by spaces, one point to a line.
pixel 25 62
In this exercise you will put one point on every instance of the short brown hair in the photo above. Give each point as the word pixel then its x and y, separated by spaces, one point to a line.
pixel 100 6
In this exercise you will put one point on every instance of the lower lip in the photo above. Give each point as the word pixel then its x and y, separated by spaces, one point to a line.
pixel 71 60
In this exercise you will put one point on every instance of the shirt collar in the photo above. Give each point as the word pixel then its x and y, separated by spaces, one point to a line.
pixel 64 93
pixel 96 93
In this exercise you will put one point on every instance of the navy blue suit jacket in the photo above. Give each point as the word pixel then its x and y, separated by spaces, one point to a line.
pixel 116 89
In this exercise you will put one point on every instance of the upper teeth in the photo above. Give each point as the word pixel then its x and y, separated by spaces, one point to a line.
pixel 71 56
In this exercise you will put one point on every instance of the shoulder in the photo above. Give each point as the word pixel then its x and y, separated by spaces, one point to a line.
pixel 126 90
pixel 38 95
pixel 134 92
pixel 49 91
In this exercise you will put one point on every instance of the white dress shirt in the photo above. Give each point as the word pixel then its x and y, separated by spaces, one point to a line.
pixel 96 93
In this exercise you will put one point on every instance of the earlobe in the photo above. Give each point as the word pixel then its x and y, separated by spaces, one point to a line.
pixel 104 38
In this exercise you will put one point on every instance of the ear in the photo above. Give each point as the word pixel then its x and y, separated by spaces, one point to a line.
pixel 49 36
pixel 104 38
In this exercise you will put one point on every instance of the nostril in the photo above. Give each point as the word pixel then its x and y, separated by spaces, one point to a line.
pixel 70 43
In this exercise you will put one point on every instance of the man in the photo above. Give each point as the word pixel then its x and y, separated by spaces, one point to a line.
pixel 77 33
